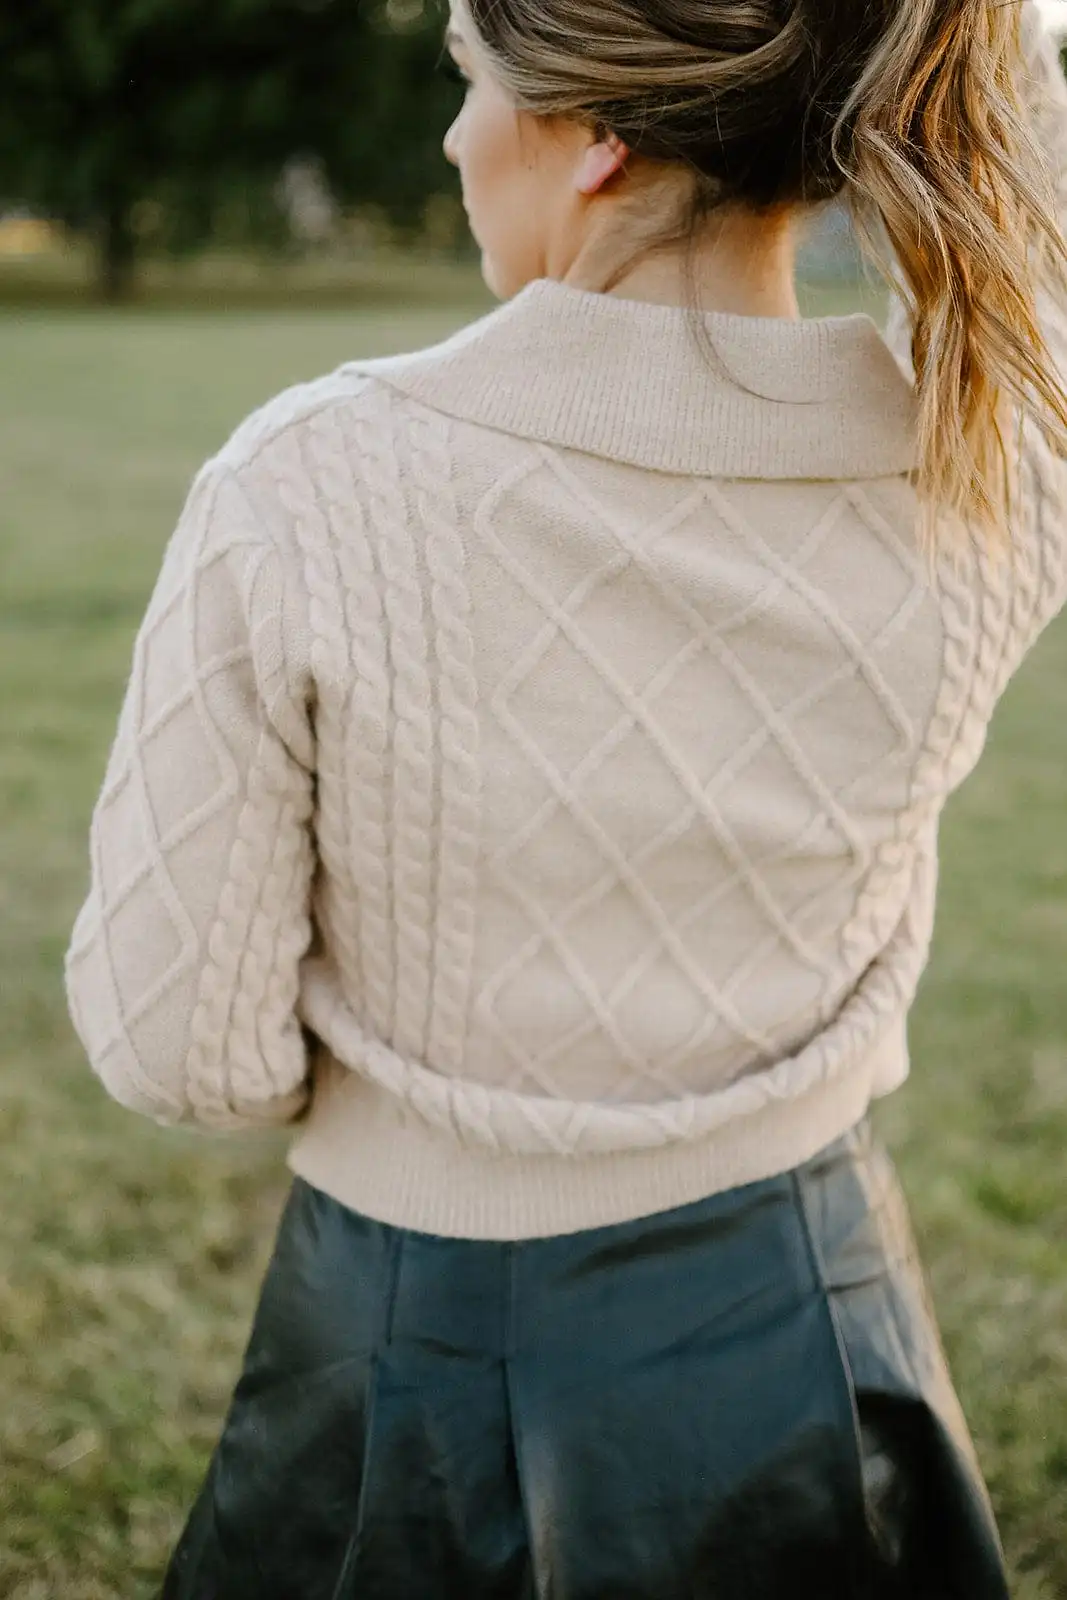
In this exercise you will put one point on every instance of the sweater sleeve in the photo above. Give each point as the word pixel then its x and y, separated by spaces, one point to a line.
pixel 182 969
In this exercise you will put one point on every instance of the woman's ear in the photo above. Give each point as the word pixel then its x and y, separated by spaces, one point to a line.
pixel 599 163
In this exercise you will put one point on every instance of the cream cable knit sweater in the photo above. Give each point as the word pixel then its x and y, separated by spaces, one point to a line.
pixel 530 769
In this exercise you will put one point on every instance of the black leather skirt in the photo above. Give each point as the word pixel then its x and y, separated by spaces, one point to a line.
pixel 742 1397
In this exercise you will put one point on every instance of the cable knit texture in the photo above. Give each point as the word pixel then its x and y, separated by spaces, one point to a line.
pixel 530 769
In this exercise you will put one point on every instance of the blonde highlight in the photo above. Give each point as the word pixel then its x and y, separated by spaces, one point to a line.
pixel 946 162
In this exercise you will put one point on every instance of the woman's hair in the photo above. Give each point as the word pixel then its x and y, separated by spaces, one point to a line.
pixel 908 109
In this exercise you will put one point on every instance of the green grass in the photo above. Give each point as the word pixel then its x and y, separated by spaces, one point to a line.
pixel 223 281
pixel 130 1258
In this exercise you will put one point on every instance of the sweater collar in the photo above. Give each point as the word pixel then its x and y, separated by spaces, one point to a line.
pixel 628 380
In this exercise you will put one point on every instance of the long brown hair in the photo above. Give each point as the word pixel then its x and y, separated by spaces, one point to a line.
pixel 910 110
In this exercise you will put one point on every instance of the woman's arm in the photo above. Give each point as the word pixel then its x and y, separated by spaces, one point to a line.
pixel 182 969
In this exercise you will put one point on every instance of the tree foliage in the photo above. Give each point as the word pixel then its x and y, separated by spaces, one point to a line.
pixel 106 104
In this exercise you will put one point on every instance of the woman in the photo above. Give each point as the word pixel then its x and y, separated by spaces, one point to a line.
pixel 528 785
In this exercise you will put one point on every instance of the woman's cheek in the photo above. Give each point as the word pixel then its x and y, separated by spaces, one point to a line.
pixel 500 194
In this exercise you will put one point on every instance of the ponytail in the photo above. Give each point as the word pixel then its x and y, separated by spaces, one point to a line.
pixel 943 158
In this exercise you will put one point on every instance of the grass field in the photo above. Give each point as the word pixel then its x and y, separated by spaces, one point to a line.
pixel 129 1257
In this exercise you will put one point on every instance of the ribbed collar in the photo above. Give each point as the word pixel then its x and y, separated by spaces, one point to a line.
pixel 626 379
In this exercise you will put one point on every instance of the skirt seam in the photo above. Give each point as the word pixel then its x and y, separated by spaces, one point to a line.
pixel 514 1427
pixel 818 1269
pixel 395 1238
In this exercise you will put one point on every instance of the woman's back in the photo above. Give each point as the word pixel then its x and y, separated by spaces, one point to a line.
pixel 634 708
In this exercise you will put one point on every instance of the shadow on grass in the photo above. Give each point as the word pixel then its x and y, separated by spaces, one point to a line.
pixel 381 282
pixel 222 284
pixel 224 299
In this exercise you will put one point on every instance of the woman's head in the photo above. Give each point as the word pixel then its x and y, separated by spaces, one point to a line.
pixel 582 100
pixel 630 124
pixel 526 179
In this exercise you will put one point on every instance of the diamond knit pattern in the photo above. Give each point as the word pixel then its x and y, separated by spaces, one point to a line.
pixel 572 783
pixel 706 805
pixel 620 788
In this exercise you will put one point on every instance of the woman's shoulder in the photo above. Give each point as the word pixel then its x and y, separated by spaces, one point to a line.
pixel 350 392
pixel 288 414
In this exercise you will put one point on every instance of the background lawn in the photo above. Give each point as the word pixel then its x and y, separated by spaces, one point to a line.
pixel 130 1257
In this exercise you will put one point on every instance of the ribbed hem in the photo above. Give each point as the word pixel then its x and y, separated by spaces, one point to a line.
pixel 376 1155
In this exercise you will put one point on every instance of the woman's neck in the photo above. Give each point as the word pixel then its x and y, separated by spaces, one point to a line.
pixel 746 267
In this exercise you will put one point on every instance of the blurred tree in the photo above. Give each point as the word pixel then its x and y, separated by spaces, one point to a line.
pixel 114 111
